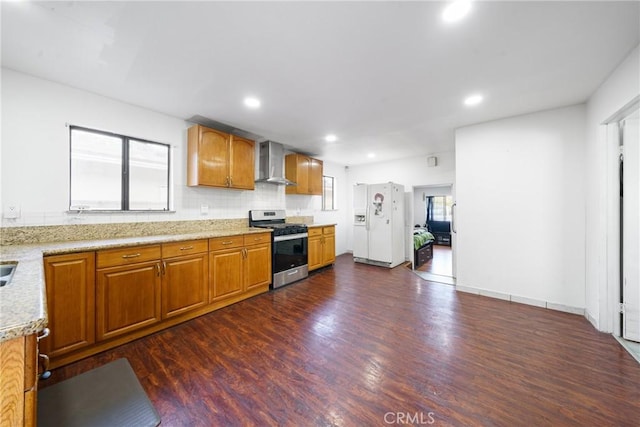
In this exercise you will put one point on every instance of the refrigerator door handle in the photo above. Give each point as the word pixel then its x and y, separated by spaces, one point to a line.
pixel 453 218
pixel 366 221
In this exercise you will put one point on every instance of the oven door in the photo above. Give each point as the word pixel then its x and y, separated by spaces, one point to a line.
pixel 290 254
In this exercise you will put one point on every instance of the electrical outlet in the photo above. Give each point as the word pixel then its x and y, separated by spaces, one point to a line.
pixel 204 209
pixel 11 212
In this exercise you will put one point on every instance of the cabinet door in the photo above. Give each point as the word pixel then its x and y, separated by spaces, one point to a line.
pixel 329 249
pixel 315 176
pixel 225 272
pixel 70 283
pixel 18 370
pixel 128 298
pixel 213 157
pixel 315 252
pixel 241 163
pixel 297 170
pixel 257 268
pixel 185 284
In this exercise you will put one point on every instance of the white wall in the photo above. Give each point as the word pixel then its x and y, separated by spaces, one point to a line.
pixel 411 172
pixel 520 207
pixel 621 87
pixel 35 159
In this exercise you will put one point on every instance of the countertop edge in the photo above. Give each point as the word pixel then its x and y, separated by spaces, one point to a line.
pixel 23 302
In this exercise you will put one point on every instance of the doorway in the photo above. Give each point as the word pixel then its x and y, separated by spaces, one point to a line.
pixel 630 226
pixel 433 212
pixel 623 132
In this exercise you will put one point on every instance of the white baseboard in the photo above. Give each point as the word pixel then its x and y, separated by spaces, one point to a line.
pixel 591 319
pixel 522 300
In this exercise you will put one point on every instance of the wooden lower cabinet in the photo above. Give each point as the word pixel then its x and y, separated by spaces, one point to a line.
pixel 127 298
pixel 185 284
pixel 226 273
pixel 257 264
pixel 322 246
pixel 99 300
pixel 244 266
pixel 18 381
pixel 70 286
pixel 315 248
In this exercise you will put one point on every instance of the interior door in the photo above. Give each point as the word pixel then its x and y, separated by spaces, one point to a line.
pixel 631 228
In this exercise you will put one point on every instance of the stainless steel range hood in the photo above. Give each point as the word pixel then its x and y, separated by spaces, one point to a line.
pixel 271 167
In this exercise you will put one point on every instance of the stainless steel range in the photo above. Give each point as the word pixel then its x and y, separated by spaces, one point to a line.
pixel 289 245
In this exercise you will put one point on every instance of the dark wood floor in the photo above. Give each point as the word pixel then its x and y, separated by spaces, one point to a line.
pixel 358 345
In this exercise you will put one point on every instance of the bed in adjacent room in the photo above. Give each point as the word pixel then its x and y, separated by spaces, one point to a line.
pixel 422 246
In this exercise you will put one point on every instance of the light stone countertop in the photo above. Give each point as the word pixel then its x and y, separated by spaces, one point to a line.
pixel 320 225
pixel 23 301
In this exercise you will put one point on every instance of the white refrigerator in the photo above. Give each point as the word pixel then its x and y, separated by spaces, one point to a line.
pixel 378 227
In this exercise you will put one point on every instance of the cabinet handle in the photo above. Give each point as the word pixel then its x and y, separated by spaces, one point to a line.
pixel 228 242
pixel 186 248
pixel 45 333
pixel 46 373
pixel 131 256
pixel 230 181
pixel 158 269
pixel 164 268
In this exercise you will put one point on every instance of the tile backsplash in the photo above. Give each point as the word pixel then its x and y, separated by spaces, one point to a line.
pixel 190 203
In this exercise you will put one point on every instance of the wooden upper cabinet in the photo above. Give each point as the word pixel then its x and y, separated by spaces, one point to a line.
pixel 242 164
pixel 315 177
pixel 304 171
pixel 217 159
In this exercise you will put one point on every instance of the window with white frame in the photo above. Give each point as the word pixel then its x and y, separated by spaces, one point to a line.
pixel 115 172
pixel 328 193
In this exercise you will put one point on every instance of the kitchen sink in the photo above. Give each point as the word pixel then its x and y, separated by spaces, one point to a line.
pixel 6 272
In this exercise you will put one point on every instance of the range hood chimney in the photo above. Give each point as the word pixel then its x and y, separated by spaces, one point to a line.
pixel 271 168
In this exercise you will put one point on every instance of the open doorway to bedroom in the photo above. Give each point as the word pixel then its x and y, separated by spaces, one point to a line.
pixel 433 233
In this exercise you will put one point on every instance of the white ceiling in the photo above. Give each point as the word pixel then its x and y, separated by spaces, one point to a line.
pixel 385 77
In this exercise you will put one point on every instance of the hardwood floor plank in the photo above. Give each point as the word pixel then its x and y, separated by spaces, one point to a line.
pixel 355 343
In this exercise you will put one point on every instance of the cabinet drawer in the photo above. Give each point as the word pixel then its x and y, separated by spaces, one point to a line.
pixel 315 231
pixel 124 256
pixel 328 230
pixel 255 239
pixel 184 248
pixel 228 242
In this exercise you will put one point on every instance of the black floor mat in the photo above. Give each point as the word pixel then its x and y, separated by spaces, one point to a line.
pixel 110 395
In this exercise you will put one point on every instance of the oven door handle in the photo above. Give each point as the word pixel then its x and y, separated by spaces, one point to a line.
pixel 290 237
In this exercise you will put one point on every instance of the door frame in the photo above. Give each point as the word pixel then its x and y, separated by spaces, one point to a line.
pixel 610 306
pixel 416 189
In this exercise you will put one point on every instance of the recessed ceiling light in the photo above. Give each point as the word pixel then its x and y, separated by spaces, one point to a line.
pixel 472 100
pixel 371 155
pixel 331 138
pixel 252 102
pixel 456 10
